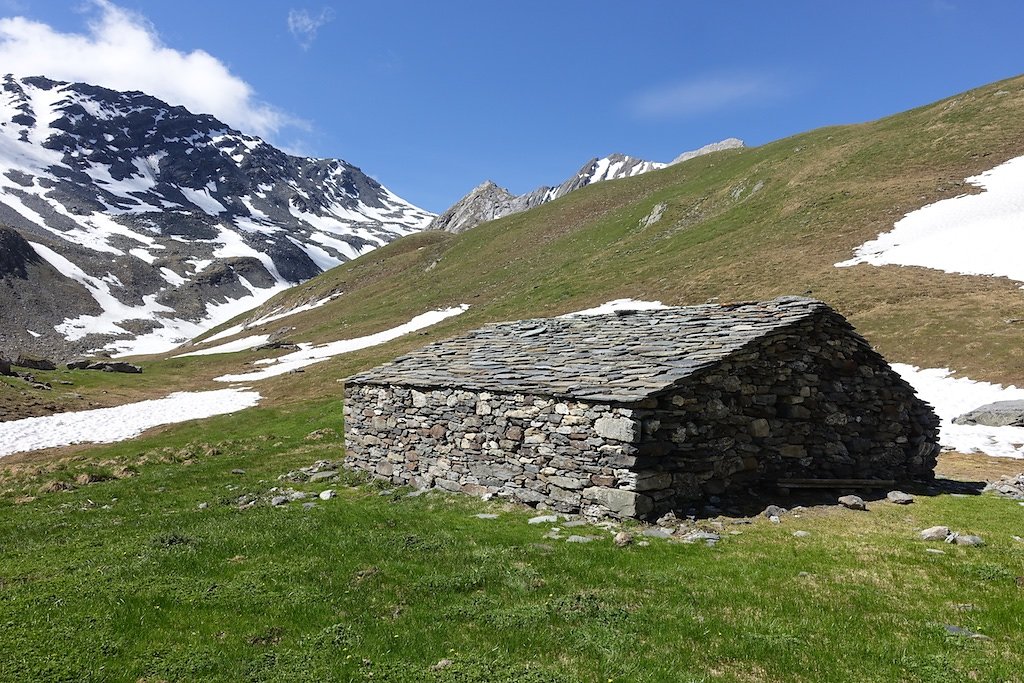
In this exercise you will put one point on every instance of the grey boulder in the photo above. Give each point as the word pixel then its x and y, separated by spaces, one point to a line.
pixel 998 414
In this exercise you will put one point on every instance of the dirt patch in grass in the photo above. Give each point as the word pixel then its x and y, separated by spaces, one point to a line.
pixel 976 467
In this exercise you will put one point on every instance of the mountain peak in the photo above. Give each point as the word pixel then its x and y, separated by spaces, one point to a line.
pixel 133 199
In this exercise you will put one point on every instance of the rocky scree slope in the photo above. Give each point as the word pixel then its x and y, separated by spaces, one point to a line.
pixel 135 225
pixel 488 201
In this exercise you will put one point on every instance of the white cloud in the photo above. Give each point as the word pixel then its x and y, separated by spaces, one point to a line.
pixel 707 94
pixel 122 50
pixel 304 26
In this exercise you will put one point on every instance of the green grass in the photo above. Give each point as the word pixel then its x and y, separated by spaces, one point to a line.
pixel 127 580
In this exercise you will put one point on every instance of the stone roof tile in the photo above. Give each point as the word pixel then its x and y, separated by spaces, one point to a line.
pixel 624 356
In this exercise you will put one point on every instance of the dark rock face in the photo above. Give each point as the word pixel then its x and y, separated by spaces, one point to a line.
pixel 104 366
pixel 33 363
pixel 16 254
pixel 146 199
pixel 5 367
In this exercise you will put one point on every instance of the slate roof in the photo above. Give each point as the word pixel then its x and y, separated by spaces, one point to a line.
pixel 616 357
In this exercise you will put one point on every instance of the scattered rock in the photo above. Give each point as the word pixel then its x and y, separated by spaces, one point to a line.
pixel 698 535
pixel 308 506
pixel 657 532
pixel 203 506
pixel 277 501
pixel 774 519
pixel 575 523
pixel 667 519
pixel 1009 487
pixel 773 511
pixel 581 539
pixel 5 367
pixel 967 539
pixel 935 551
pixel 963 632
pixel 327 495
pixel 899 498
pixel 319 434
pixel 33 363
pixel 104 366
pixel 852 502
pixel 801 534
pixel 935 533
pixel 486 515
pixel 297 495
pixel 322 476
pixel 237 471
pixel 623 538
pixel 442 664
pixel 998 414
pixel 543 519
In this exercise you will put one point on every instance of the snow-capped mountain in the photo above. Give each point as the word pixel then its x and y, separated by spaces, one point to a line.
pixel 162 222
pixel 488 201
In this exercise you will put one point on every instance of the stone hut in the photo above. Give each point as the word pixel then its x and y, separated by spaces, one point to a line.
pixel 636 413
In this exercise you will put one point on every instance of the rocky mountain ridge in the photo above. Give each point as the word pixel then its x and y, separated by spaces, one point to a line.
pixel 134 225
pixel 488 201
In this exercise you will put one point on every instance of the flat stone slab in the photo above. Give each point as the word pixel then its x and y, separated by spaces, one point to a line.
pixel 998 414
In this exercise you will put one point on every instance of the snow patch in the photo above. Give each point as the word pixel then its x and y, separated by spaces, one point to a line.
pixel 276 315
pixel 619 305
pixel 309 354
pixel 106 425
pixel 954 396
pixel 979 234
pixel 203 200
pixel 243 344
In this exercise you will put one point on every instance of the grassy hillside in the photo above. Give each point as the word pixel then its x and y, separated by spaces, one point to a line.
pixel 742 224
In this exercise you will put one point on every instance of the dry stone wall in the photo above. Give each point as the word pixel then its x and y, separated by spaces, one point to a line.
pixel 805 403
pixel 572 456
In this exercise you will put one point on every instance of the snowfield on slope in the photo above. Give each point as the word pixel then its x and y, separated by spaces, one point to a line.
pixel 308 354
pixel 954 396
pixel 107 425
pixel 977 234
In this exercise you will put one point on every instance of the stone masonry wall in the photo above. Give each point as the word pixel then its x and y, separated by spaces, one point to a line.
pixel 572 456
pixel 813 401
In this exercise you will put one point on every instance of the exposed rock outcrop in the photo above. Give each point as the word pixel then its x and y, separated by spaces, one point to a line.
pixel 488 201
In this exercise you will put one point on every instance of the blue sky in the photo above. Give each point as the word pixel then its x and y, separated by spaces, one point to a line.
pixel 432 98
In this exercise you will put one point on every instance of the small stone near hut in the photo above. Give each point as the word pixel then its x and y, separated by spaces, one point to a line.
pixel 853 503
pixel 543 519
pixel 899 498
pixel 935 533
